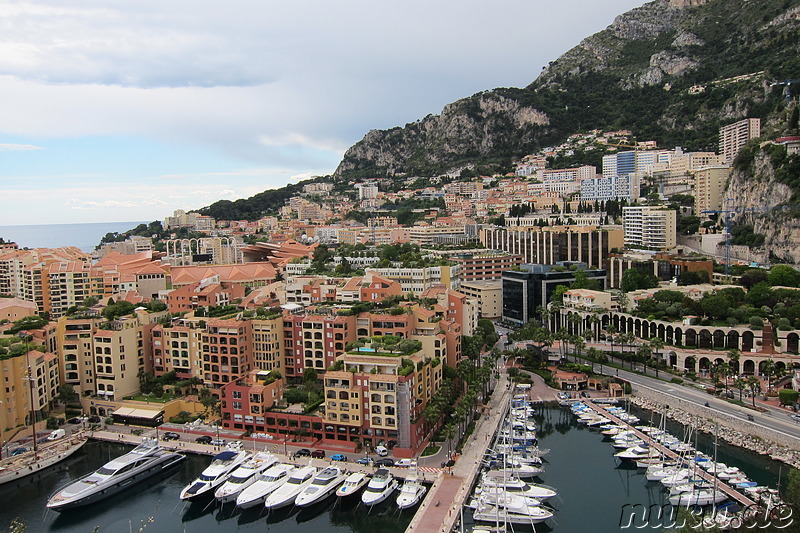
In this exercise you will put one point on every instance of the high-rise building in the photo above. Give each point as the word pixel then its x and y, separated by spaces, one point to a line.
pixel 733 136
pixel 709 188
pixel 650 226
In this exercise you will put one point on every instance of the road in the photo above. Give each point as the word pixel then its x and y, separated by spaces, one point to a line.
pixel 777 421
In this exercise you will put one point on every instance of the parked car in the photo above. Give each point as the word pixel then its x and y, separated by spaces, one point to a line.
pixel 217 442
pixel 94 419
pixel 338 457
pixel 404 462
pixel 18 451
pixel 75 420
pixel 318 454
pixel 384 462
pixel 795 417
pixel 303 452
pixel 203 439
pixel 171 435
pixel 365 461
pixel 381 450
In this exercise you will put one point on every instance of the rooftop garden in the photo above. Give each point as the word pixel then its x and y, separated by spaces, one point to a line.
pixel 386 345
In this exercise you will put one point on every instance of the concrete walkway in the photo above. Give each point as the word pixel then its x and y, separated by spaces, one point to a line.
pixel 442 507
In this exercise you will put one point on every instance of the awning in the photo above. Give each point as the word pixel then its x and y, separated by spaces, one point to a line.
pixel 131 412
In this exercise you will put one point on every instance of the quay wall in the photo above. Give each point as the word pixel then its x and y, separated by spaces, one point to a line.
pixel 752 436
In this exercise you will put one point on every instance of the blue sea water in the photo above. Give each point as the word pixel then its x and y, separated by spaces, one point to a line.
pixel 84 236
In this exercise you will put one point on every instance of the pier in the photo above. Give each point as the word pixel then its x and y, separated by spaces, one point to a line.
pixel 732 493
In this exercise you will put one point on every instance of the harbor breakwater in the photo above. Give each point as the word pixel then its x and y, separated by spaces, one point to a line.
pixel 741 433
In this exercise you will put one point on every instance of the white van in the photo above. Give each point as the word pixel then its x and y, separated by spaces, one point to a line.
pixel 382 451
pixel 57 434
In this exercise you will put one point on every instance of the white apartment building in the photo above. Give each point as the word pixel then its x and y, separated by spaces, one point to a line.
pixel 650 226
pixel 417 280
pixel 610 187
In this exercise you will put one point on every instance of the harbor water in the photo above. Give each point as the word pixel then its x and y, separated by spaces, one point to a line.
pixel 154 506
pixel 596 492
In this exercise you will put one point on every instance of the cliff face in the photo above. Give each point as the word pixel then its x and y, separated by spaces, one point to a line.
pixel 759 199
pixel 635 74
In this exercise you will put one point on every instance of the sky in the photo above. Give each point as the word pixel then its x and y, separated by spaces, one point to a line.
pixel 127 111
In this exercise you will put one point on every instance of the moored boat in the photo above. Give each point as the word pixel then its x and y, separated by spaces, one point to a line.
pixel 146 460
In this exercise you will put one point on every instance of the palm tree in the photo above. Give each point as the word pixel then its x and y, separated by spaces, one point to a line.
pixel 725 370
pixel 733 359
pixel 754 384
pixel 657 345
pixel 770 370
pixel 580 344
pixel 594 321
pixel 643 354
pixel 448 432
pixel 595 355
pixel 610 332
pixel 740 383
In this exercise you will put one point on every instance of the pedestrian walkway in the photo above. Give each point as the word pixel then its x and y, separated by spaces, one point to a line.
pixel 440 510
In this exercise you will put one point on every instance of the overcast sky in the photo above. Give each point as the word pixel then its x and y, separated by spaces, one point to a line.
pixel 126 111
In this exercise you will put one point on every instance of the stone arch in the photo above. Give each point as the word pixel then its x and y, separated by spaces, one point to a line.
pixel 748 367
pixel 748 341
pixel 733 339
pixel 719 338
pixel 678 336
pixel 669 335
pixel 629 325
pixel 690 364
pixel 792 342
pixel 704 339
pixel 780 365
pixel 653 330
pixel 661 332
pixel 704 363
pixel 691 337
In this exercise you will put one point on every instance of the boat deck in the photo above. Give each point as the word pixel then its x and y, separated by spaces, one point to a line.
pixel 721 485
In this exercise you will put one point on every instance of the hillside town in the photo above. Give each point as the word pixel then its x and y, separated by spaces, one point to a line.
pixel 348 329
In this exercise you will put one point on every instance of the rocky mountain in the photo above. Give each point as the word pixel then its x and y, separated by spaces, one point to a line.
pixel 671 70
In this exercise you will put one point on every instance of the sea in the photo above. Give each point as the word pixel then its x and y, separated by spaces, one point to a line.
pixel 84 236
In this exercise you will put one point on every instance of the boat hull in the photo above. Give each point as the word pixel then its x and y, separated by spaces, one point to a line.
pixel 162 465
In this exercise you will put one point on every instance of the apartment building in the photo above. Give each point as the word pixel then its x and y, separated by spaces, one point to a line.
pixel 29 368
pixel 69 284
pixel 226 349
pixel 13 309
pixel 611 187
pixel 549 245
pixel 268 343
pixel 484 265
pixel 488 294
pixel 245 402
pixel 733 136
pixel 650 227
pixel 709 188
pixel 207 293
pixel 176 348
pixel 417 280
pixel 424 235
pixel 315 340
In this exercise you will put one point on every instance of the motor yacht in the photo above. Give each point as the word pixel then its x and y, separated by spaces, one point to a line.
pixel 324 484
pixel 265 483
pixel 379 487
pixel 411 492
pixel 352 484
pixel 244 476
pixel 287 493
pixel 634 453
pixel 146 460
pixel 516 486
pixel 215 474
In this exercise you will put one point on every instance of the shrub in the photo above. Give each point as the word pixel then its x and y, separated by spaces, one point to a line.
pixel 676 380
pixel 788 396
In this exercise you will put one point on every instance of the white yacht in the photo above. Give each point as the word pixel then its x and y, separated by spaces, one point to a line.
pixel 512 513
pixel 635 453
pixel 144 461
pixel 379 487
pixel 324 484
pixel 352 484
pixel 214 475
pixel 244 476
pixel 411 492
pixel 698 497
pixel 264 484
pixel 517 486
pixel 287 493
